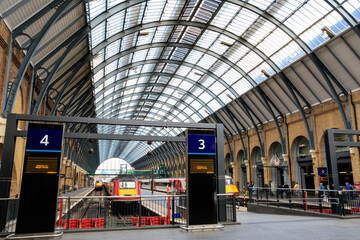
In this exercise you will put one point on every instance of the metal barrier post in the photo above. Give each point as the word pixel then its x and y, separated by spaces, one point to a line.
pixel 289 193
pixel 257 194
pixel 277 197
pixel 234 207
pixel 267 197
pixel 303 196
pixel 341 204
pixel 140 212
pixel 68 213
pixel 320 202
pixel 105 211
pixel 173 209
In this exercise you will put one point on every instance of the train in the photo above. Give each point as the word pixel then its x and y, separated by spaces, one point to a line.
pixel 178 185
pixel 166 185
pixel 125 190
pixel 99 184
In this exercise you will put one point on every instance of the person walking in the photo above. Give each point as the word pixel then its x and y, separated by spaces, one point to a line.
pixel 297 189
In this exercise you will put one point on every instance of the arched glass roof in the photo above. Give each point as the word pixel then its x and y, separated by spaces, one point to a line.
pixel 238 62
pixel 150 55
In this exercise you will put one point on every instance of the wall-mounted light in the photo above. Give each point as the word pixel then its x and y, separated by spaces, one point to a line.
pixel 327 33
pixel 265 74
pixel 225 44
pixel 301 146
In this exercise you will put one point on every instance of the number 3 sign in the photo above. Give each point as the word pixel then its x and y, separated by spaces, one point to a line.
pixel 201 144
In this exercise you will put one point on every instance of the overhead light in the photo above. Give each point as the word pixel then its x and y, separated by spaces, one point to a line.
pixel 134 68
pixel 198 74
pixel 225 44
pixel 231 97
pixel 265 74
pixel 143 34
pixel 95 2
pixel 207 112
pixel 96 56
pixel 327 33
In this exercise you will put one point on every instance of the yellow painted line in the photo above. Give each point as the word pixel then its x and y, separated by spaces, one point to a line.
pixel 243 210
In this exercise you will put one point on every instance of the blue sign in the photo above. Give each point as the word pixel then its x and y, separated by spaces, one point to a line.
pixel 44 140
pixel 322 171
pixel 201 144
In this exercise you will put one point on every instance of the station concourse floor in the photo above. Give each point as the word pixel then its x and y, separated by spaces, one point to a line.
pixel 253 226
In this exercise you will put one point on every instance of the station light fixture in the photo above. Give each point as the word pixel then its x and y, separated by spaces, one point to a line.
pixel 134 69
pixel 198 74
pixel 230 97
pixel 144 34
pixel 265 74
pixel 327 33
pixel 225 44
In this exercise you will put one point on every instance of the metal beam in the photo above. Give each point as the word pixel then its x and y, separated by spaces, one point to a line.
pixel 67 82
pixel 65 119
pixel 8 107
pixel 48 79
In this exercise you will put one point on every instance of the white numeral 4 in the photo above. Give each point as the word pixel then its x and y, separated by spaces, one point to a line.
pixel 45 140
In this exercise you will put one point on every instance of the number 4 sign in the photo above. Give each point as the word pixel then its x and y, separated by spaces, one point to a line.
pixel 43 139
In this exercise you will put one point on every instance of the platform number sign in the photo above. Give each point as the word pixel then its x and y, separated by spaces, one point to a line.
pixel 201 144
pixel 44 140
pixel 322 171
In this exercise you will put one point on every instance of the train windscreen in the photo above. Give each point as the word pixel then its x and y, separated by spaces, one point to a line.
pixel 127 185
pixel 229 181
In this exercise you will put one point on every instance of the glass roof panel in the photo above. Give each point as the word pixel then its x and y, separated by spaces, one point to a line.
pixel 115 24
pixel 353 7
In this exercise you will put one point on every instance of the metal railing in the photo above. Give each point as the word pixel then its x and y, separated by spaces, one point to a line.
pixel 12 206
pixel 108 212
pixel 342 202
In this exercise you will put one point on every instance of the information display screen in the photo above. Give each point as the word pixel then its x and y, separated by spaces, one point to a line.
pixel 202 166
pixel 47 165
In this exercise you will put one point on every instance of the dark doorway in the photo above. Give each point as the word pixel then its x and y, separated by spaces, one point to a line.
pixel 307 175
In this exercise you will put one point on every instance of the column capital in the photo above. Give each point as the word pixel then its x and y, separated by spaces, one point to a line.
pixel 246 162
pixel 313 153
pixel 352 150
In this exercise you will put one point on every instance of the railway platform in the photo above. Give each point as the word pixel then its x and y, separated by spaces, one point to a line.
pixel 78 193
pixel 253 226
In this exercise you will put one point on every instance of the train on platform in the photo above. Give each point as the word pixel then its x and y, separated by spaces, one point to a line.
pixel 178 185
pixel 166 185
pixel 99 184
pixel 125 190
